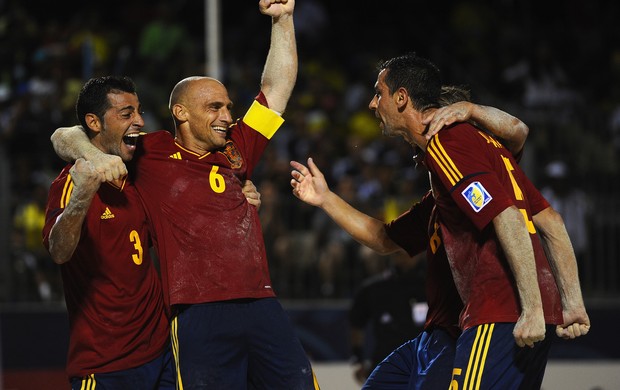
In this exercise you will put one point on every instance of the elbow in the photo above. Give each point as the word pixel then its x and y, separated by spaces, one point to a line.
pixel 58 257
pixel 385 247
pixel 523 129
pixel 548 222
pixel 54 138
pixel 383 251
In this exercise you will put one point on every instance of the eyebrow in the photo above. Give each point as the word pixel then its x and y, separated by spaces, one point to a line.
pixel 130 107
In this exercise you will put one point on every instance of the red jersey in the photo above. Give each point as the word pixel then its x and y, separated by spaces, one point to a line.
pixel 209 238
pixel 474 178
pixel 414 231
pixel 112 290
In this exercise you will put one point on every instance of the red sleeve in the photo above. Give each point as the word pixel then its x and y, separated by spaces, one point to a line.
pixel 58 196
pixel 262 99
pixel 410 230
pixel 469 167
pixel 249 140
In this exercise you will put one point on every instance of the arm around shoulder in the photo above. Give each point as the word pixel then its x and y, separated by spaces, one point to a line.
pixel 71 143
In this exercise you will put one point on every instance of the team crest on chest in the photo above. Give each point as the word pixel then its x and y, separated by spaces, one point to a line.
pixel 232 155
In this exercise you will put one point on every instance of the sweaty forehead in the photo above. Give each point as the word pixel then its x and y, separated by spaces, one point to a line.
pixel 209 90
pixel 380 84
pixel 123 99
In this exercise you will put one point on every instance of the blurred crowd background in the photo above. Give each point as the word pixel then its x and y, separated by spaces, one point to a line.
pixel 555 65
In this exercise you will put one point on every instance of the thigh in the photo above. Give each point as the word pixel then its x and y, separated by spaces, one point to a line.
pixel 167 371
pixel 277 360
pixel 435 357
pixel 209 346
pixel 422 363
pixel 396 370
pixel 487 357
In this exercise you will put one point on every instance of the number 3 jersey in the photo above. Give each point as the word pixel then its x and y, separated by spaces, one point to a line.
pixel 209 239
pixel 474 178
pixel 112 290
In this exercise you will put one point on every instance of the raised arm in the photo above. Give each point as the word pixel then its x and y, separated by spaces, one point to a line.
pixel 280 72
pixel 310 186
pixel 511 130
pixel 71 143
pixel 559 250
pixel 66 232
pixel 515 241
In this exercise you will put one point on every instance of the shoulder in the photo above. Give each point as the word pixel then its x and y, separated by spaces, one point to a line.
pixel 63 176
pixel 457 131
pixel 156 137
pixel 462 137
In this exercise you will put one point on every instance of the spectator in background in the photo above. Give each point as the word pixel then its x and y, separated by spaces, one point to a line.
pixel 336 249
pixel 572 203
pixel 26 281
pixel 28 222
pixel 387 310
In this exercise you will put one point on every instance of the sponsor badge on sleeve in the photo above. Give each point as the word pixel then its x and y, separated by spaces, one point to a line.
pixel 476 195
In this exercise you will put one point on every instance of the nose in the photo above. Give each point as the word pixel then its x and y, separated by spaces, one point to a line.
pixel 225 115
pixel 373 103
pixel 139 120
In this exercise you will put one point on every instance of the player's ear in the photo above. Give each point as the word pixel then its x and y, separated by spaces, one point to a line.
pixel 93 122
pixel 180 112
pixel 401 97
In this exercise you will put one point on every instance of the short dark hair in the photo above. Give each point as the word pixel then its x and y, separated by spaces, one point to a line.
pixel 419 76
pixel 93 97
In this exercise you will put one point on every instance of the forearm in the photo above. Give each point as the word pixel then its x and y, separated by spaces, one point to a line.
pixel 503 125
pixel 363 228
pixel 71 143
pixel 280 72
pixel 517 246
pixel 560 255
pixel 66 232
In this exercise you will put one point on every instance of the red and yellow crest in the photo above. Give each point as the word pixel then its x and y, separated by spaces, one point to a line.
pixel 233 155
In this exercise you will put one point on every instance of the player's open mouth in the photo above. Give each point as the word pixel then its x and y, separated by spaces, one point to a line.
pixel 131 139
pixel 220 129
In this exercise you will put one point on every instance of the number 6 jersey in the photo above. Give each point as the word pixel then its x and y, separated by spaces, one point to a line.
pixel 209 239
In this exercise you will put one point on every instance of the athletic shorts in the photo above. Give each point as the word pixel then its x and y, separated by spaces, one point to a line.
pixel 158 374
pixel 239 344
pixel 487 357
pixel 422 363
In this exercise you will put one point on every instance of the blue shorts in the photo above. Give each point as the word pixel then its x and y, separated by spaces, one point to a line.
pixel 422 363
pixel 158 374
pixel 240 344
pixel 487 357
